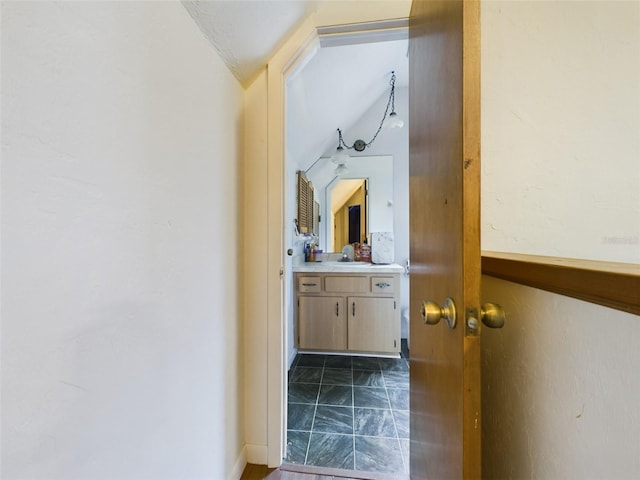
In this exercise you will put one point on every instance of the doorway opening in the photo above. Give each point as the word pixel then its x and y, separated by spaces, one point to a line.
pixel 348 412
pixel 354 224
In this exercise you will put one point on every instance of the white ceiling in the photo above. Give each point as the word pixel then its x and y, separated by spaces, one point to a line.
pixel 246 33
pixel 333 91
pixel 334 88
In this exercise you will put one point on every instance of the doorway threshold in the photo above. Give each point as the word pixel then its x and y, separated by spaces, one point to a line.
pixel 341 473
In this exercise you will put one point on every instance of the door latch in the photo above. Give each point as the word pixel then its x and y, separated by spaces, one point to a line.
pixel 471 322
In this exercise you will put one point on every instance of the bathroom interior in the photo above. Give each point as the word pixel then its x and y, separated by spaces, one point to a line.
pixel 348 389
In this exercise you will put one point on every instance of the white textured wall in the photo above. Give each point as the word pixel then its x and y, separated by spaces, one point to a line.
pixel 561 177
pixel 560 388
pixel 121 354
pixel 561 128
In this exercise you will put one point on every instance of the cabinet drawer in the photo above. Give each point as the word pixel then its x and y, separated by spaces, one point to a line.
pixel 309 284
pixel 383 285
pixel 346 284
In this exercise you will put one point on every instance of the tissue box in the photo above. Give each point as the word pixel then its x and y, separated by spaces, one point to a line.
pixel 382 247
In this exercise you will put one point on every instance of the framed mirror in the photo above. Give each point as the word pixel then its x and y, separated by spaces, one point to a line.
pixel 376 214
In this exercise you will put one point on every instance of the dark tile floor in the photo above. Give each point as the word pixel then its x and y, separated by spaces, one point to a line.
pixel 349 412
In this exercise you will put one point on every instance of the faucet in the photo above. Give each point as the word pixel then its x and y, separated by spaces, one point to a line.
pixel 345 254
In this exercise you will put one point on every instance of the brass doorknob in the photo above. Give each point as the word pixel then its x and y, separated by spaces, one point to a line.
pixel 432 312
pixel 492 315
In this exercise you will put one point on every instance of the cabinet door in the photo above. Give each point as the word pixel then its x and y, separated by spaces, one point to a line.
pixel 373 324
pixel 322 322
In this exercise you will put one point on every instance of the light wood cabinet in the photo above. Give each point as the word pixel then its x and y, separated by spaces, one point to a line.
pixel 372 324
pixel 323 322
pixel 348 312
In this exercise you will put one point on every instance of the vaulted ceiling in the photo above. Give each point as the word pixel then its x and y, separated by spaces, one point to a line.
pixel 246 33
pixel 334 89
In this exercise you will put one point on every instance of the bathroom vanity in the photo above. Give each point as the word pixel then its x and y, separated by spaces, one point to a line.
pixel 348 307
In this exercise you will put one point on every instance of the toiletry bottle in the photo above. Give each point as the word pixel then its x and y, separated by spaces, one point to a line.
pixel 365 253
pixel 356 252
pixel 312 253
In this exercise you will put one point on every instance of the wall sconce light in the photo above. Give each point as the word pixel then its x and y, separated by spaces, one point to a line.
pixel 389 120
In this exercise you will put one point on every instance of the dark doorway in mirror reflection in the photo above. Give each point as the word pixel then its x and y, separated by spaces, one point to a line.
pixel 354 224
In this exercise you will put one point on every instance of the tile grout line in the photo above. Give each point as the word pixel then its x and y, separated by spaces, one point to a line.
pixel 353 417
pixel 395 425
pixel 352 385
pixel 405 461
pixel 393 418
pixel 313 420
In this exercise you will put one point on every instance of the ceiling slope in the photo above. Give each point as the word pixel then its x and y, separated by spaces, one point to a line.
pixel 247 33
pixel 335 87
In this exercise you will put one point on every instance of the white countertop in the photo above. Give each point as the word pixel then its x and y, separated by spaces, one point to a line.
pixel 346 267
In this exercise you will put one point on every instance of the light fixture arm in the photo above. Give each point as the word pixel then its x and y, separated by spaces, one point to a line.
pixel 360 145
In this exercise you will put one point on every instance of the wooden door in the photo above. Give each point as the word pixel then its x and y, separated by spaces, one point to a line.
pixel 444 139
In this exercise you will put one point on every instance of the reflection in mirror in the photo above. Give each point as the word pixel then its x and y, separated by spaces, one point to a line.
pixel 348 212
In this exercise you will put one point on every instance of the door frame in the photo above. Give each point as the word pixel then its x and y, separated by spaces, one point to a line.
pixel 289 59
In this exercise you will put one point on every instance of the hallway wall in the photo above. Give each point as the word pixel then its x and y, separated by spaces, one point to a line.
pixel 560 388
pixel 560 123
pixel 560 150
pixel 121 340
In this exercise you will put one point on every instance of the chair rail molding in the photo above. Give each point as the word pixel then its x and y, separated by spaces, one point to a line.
pixel 613 285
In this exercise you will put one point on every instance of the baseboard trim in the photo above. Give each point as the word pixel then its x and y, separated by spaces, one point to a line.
pixel 350 353
pixel 292 357
pixel 239 466
pixel 257 454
